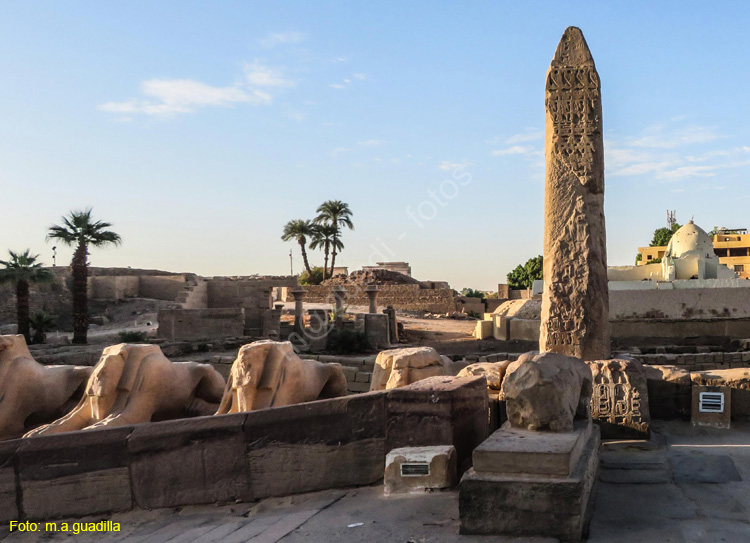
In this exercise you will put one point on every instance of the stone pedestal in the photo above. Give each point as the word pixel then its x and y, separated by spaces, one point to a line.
pixel 527 483
pixel 392 324
pixel 339 295
pixel 299 308
pixel 376 330
pixel 372 295
pixel 416 469
pixel 272 324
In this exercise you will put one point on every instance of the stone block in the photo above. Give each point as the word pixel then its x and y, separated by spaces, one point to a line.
pixel 317 445
pixel 363 377
pixel 439 411
pixel 88 470
pixel 8 491
pixel 376 330
pixel 669 392
pixel 513 450
pixel 357 386
pixel 415 469
pixel 528 505
pixel 201 324
pixel 619 403
pixel 189 461
pixel 349 372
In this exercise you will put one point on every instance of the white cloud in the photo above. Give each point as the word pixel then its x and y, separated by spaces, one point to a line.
pixel 526 136
pixel 361 77
pixel 372 143
pixel 450 166
pixel 515 150
pixel 659 137
pixel 338 150
pixel 258 75
pixel 281 38
pixel 165 97
pixel 337 86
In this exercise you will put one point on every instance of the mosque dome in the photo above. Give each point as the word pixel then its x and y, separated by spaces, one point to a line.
pixel 690 239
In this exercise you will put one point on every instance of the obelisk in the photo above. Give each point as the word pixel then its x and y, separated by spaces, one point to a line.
pixel 575 304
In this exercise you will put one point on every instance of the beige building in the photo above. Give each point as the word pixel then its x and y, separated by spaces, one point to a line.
pixel 732 247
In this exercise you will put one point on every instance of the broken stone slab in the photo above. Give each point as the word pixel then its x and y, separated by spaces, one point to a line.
pixel 513 450
pixel 396 368
pixel 547 391
pixel 619 402
pixel 416 469
pixel 494 372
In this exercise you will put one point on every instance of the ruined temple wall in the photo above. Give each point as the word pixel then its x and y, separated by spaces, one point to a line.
pixel 408 297
pixel 113 287
pixel 679 304
pixel 198 324
pixel 161 288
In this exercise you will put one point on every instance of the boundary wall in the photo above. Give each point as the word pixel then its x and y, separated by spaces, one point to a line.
pixel 319 445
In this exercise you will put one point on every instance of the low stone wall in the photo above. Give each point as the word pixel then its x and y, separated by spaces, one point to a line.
pixel 161 288
pixel 246 456
pixel 408 297
pixel 198 324
pixel 528 329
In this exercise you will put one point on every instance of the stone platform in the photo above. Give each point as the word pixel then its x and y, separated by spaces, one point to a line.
pixel 526 483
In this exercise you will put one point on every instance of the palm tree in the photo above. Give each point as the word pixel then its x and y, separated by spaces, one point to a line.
pixel 81 230
pixel 323 236
pixel 42 323
pixel 23 269
pixel 337 214
pixel 299 230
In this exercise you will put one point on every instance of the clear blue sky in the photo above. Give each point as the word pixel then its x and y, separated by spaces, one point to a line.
pixel 199 128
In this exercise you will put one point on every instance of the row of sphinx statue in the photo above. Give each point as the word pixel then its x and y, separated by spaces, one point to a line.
pixel 135 383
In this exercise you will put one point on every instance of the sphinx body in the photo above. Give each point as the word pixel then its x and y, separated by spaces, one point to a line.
pixel 137 383
pixel 270 374
pixel 31 392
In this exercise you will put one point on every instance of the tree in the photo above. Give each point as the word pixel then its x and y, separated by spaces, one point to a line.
pixel 299 230
pixel 42 323
pixel 23 269
pixel 663 235
pixel 337 214
pixel 524 276
pixel 80 230
pixel 323 237
pixel 471 293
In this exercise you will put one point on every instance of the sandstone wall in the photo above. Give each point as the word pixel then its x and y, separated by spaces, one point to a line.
pixel 198 324
pixel 409 297
pixel 161 288
pixel 713 303
pixel 334 443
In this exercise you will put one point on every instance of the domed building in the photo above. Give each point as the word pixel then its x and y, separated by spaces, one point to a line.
pixel 690 255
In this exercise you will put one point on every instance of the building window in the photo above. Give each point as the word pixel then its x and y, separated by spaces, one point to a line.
pixel 739 267
pixel 649 257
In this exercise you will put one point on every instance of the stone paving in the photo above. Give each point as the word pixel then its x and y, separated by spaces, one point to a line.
pixel 706 498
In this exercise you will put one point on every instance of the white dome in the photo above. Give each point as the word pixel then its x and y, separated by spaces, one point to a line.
pixel 690 239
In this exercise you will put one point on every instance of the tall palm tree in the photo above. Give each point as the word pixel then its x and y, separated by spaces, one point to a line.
pixel 299 230
pixel 323 236
pixel 80 229
pixel 337 214
pixel 23 269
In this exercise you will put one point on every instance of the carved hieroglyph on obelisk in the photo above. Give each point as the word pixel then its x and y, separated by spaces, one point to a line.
pixel 575 305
